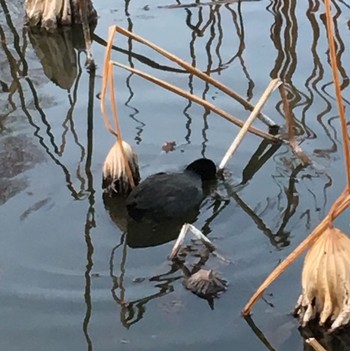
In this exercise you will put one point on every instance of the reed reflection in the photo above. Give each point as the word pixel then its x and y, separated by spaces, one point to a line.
pixel 259 333
pixel 90 222
pixel 198 31
pixel 237 18
pixel 24 95
pixel 28 96
pixel 316 100
pixel 130 311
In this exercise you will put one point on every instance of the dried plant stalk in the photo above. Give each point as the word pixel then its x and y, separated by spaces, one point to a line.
pixel 126 162
pixel 197 73
pixel 199 101
pixel 105 74
pixel 315 344
pixel 268 91
pixel 335 73
pixel 326 272
pixel 121 160
pixel 290 127
pixel 330 287
pixel 341 205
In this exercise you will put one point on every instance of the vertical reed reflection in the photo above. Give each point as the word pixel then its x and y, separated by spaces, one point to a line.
pixel 239 26
pixel 90 216
pixel 16 41
pixel 17 87
pixel 42 128
pixel 198 29
pixel 140 125
pixel 195 32
pixel 258 333
pixel 284 35
pixel 73 98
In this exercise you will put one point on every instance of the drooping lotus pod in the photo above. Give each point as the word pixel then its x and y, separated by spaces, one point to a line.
pixel 326 281
pixel 34 11
pixel 115 177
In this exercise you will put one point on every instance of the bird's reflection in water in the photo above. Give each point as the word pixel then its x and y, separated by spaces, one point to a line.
pixel 148 232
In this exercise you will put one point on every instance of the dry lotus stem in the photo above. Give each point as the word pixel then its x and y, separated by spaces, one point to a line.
pixel 326 281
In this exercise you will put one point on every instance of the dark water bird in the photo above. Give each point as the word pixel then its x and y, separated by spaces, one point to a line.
pixel 165 196
pixel 156 209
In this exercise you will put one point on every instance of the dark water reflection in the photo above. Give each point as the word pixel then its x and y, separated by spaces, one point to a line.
pixel 68 277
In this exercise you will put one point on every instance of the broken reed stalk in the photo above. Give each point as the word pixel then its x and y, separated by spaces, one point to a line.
pixel 196 232
pixel 339 206
pixel 290 127
pixel 335 73
pixel 315 344
pixel 274 84
pixel 197 73
pixel 199 101
pixel 107 79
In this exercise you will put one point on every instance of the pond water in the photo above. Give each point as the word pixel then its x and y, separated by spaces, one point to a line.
pixel 68 280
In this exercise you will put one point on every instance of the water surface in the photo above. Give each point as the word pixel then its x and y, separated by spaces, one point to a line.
pixel 67 278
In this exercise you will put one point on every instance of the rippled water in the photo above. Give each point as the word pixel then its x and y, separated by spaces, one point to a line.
pixel 67 278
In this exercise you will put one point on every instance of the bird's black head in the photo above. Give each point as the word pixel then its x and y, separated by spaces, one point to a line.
pixel 203 167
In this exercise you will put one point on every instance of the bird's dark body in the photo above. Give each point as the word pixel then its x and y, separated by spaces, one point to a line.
pixel 165 195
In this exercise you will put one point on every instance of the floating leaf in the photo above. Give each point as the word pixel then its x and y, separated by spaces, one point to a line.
pixel 169 146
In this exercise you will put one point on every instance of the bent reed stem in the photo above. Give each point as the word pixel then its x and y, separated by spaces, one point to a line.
pixel 198 100
pixel 339 98
pixel 107 79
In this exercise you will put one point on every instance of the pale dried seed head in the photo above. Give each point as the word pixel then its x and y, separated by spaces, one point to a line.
pixel 114 169
pixel 326 280
pixel 34 11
